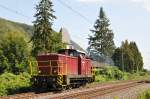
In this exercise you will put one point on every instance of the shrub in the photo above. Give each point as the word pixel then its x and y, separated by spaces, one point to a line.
pixel 113 73
pixel 100 78
pixel 144 95
pixel 109 73
pixel 10 83
pixel 14 53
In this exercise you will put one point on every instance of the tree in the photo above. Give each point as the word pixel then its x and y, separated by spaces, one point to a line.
pixel 138 59
pixel 127 55
pixel 3 62
pixel 42 36
pixel 123 57
pixel 14 53
pixel 128 58
pixel 117 58
pixel 102 38
pixel 57 43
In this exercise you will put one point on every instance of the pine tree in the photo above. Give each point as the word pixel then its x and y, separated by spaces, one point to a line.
pixel 117 58
pixel 128 58
pixel 57 43
pixel 138 59
pixel 102 38
pixel 42 37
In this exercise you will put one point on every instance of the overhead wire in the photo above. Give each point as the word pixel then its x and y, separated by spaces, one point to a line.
pixel 15 12
pixel 75 11
pixel 60 1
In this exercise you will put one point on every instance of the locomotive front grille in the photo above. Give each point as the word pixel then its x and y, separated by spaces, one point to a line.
pixel 51 67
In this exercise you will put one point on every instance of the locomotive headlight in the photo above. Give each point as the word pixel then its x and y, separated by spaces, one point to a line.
pixel 55 71
pixel 39 71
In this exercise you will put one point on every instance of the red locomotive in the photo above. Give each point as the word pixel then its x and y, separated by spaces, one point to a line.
pixel 68 68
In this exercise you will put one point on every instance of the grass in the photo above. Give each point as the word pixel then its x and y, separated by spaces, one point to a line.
pixel 144 95
pixel 10 83
pixel 111 74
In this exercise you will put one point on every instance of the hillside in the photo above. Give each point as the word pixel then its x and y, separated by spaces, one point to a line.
pixel 7 26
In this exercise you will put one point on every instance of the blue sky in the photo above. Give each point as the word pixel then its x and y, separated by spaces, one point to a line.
pixel 130 19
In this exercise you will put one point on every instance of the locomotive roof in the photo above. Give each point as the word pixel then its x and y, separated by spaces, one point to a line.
pixel 73 50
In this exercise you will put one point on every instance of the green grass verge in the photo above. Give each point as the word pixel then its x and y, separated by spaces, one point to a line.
pixel 112 73
pixel 10 83
pixel 144 95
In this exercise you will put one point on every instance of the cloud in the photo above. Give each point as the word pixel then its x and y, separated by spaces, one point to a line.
pixel 139 1
pixel 147 7
pixel 145 4
pixel 90 1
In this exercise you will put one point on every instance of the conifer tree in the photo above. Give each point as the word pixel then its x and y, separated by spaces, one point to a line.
pixel 128 58
pixel 138 59
pixel 42 37
pixel 117 58
pixel 102 38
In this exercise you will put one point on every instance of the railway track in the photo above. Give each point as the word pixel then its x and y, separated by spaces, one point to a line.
pixel 80 93
pixel 98 91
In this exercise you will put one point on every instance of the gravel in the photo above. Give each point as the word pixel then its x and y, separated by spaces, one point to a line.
pixel 129 93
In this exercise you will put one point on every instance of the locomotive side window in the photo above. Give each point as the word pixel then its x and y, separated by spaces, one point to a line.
pixel 82 55
pixel 69 52
pixel 73 53
pixel 63 52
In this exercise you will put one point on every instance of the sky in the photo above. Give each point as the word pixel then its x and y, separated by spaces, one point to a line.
pixel 129 19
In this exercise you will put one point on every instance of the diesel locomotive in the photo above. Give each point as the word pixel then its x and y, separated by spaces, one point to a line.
pixel 65 69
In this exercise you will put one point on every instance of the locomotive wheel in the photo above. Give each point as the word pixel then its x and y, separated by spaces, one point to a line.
pixel 64 88
pixel 69 87
pixel 61 88
pixel 77 85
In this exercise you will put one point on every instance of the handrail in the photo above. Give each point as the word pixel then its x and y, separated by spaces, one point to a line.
pixel 30 65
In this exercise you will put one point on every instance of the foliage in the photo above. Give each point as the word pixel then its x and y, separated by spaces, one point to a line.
pixel 42 36
pixel 102 39
pixel 14 53
pixel 117 58
pixel 138 60
pixel 57 43
pixel 113 73
pixel 144 95
pixel 109 73
pixel 10 83
pixel 9 26
pixel 128 57
pixel 3 62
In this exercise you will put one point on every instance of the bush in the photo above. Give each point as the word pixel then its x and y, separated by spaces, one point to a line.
pixel 10 83
pixel 113 73
pixel 14 53
pixel 109 73
pixel 100 78
pixel 144 95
